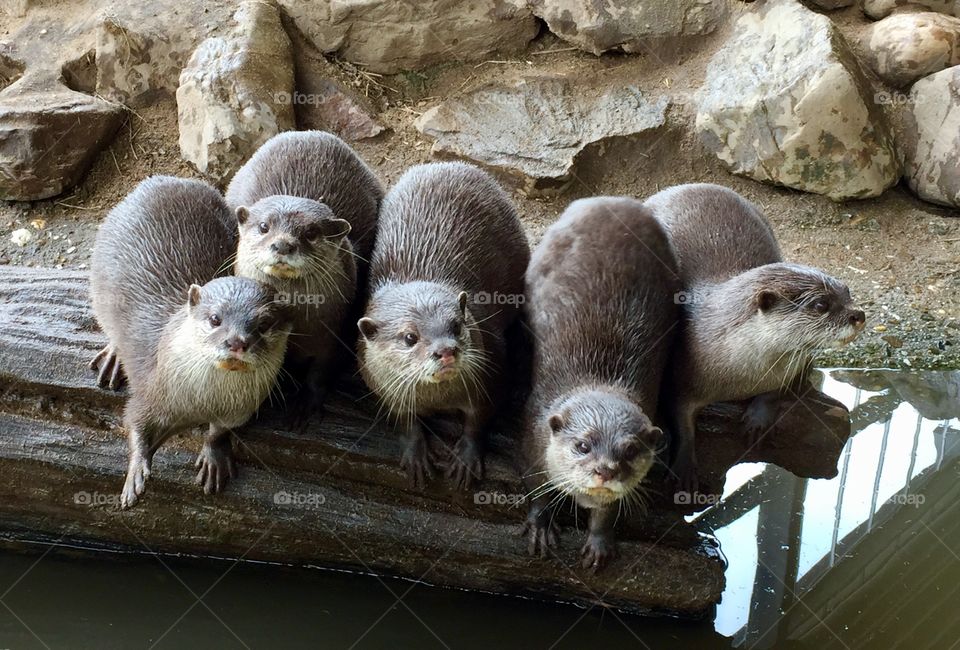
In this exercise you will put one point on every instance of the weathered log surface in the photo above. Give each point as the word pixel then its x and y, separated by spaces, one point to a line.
pixel 62 458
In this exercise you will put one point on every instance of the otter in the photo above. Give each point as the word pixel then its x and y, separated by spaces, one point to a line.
pixel 750 320
pixel 307 206
pixel 196 349
pixel 600 290
pixel 313 165
pixel 446 280
pixel 301 249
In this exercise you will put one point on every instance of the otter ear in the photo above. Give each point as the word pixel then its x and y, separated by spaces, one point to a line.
pixel 556 423
pixel 335 228
pixel 193 295
pixel 462 302
pixel 242 214
pixel 766 300
pixel 367 327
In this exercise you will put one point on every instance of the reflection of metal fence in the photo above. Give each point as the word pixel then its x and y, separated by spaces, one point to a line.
pixel 797 543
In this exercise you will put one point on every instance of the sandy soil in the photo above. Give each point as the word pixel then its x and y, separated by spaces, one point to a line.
pixel 900 256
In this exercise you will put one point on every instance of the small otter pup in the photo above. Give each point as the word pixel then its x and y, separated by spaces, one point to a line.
pixel 750 321
pixel 446 279
pixel 600 305
pixel 192 354
pixel 307 207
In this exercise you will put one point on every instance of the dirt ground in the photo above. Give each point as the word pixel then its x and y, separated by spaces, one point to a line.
pixel 900 256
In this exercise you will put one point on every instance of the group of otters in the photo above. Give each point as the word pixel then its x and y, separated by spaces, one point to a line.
pixel 435 267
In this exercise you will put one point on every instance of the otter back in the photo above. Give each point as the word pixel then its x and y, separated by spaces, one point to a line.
pixel 314 165
pixel 167 234
pixel 601 290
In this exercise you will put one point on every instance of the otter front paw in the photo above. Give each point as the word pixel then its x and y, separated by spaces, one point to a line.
pixel 109 371
pixel 465 464
pixel 758 419
pixel 542 536
pixel 686 479
pixel 136 482
pixel 215 467
pixel 419 461
pixel 598 552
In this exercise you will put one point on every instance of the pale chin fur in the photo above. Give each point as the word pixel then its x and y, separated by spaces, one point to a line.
pixel 844 337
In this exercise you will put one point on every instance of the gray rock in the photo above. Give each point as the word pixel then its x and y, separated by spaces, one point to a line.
pixel 393 35
pixel 830 5
pixel 234 94
pixel 625 24
pixel 534 128
pixel 878 9
pixel 785 102
pixel 49 136
pixel 932 138
pixel 905 47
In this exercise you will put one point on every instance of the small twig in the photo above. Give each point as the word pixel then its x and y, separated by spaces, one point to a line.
pixel 77 207
pixel 561 49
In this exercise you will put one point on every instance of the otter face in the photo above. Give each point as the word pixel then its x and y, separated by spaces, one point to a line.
pixel 287 238
pixel 817 307
pixel 236 323
pixel 601 447
pixel 419 330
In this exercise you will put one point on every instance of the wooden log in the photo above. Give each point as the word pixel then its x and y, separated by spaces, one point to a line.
pixel 335 496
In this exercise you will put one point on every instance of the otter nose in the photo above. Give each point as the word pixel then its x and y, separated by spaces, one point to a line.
pixel 857 318
pixel 605 472
pixel 237 344
pixel 445 355
pixel 284 247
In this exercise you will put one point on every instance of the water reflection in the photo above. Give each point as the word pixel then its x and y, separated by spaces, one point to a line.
pixel 813 563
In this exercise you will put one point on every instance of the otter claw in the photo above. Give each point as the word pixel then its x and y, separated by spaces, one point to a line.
pixel 215 467
pixel 597 553
pixel 109 369
pixel 419 461
pixel 135 483
pixel 543 537
pixel 466 464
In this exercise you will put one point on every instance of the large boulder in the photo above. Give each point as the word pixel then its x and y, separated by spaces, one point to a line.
pixel 878 9
pixel 393 35
pixel 786 102
pixel 627 25
pixel 49 136
pixel 932 138
pixel 905 47
pixel 234 94
pixel 534 128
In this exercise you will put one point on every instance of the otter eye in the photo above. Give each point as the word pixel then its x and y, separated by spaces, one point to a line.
pixel 582 446
pixel 263 227
pixel 456 327
pixel 630 452
pixel 214 320
pixel 821 306
pixel 410 339
pixel 312 233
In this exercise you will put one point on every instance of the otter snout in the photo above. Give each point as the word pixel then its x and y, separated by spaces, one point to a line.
pixel 285 246
pixel 445 356
pixel 604 473
pixel 857 319
pixel 237 345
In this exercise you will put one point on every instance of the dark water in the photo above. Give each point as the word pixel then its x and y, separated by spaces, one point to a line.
pixel 870 559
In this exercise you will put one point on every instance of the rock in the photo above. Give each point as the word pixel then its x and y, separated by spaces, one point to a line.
pixel 878 9
pixel 830 5
pixel 234 93
pixel 321 102
pixel 49 136
pixel 932 138
pixel 393 35
pixel 905 47
pixel 627 25
pixel 135 61
pixel 786 102
pixel 21 237
pixel 535 128
pixel 15 8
